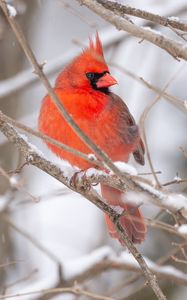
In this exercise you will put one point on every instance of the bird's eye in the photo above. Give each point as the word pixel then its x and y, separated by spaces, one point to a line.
pixel 90 76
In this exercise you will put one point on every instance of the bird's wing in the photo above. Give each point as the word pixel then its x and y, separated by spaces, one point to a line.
pixel 132 129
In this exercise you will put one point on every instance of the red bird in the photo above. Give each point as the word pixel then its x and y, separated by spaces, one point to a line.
pixel 83 88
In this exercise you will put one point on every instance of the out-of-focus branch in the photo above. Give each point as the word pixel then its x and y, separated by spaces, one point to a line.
pixel 69 290
pixel 180 104
pixel 174 48
pixel 142 124
pixel 124 263
pixel 102 260
pixel 122 9
pixel 166 227
pixel 33 241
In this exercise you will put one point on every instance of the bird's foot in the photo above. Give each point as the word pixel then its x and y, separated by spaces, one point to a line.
pixel 79 181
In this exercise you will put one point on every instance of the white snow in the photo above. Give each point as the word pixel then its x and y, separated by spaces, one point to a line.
pixel 32 147
pixel 173 18
pixel 92 156
pixel 14 180
pixel 94 172
pixel 177 178
pixel 126 168
pixel 172 200
pixel 74 267
pixel 183 229
pixel 35 149
pixel 177 201
pixel 4 199
pixel 67 170
pixel 133 197
pixel 147 28
pixel 11 10
pixel 23 136
pixel 118 209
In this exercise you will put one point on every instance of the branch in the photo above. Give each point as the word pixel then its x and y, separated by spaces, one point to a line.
pixel 125 262
pixel 69 290
pixel 121 10
pixel 142 124
pixel 175 49
pixel 33 241
pixel 149 194
pixel 104 259
pixel 50 140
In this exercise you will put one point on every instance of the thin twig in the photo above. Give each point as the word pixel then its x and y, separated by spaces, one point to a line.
pixel 180 104
pixel 69 290
pixel 182 261
pixel 21 280
pixel 144 116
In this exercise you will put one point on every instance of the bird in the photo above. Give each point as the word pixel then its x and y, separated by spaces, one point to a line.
pixel 83 87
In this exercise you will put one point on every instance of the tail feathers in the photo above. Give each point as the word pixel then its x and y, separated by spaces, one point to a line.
pixel 132 219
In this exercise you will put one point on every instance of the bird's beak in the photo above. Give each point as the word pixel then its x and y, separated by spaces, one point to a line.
pixel 106 81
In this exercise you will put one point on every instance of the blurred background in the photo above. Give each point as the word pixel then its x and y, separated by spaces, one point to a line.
pixel 43 224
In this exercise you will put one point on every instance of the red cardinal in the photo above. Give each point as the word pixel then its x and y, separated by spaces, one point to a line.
pixel 83 88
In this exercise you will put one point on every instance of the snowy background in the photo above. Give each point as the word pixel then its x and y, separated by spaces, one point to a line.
pixel 69 227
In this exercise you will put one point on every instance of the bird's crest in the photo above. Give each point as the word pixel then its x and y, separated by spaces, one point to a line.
pixel 97 46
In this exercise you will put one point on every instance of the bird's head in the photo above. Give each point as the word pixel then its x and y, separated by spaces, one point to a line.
pixel 88 70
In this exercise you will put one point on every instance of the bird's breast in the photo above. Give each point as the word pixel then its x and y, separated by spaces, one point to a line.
pixel 96 117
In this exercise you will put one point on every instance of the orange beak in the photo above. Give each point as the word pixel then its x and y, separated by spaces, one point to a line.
pixel 106 81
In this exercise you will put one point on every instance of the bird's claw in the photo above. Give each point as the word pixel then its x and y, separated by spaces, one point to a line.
pixel 80 182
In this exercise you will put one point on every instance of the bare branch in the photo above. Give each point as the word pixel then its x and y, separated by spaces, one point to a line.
pixel 33 241
pixel 143 118
pixel 174 48
pixel 69 290
pixel 121 10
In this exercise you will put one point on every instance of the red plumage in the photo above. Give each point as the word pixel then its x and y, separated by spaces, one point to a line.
pixel 82 87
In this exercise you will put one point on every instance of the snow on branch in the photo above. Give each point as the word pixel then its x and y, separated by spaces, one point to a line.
pixel 143 190
pixel 105 259
pixel 11 10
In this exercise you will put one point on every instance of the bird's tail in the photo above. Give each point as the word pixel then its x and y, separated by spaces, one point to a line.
pixel 132 219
